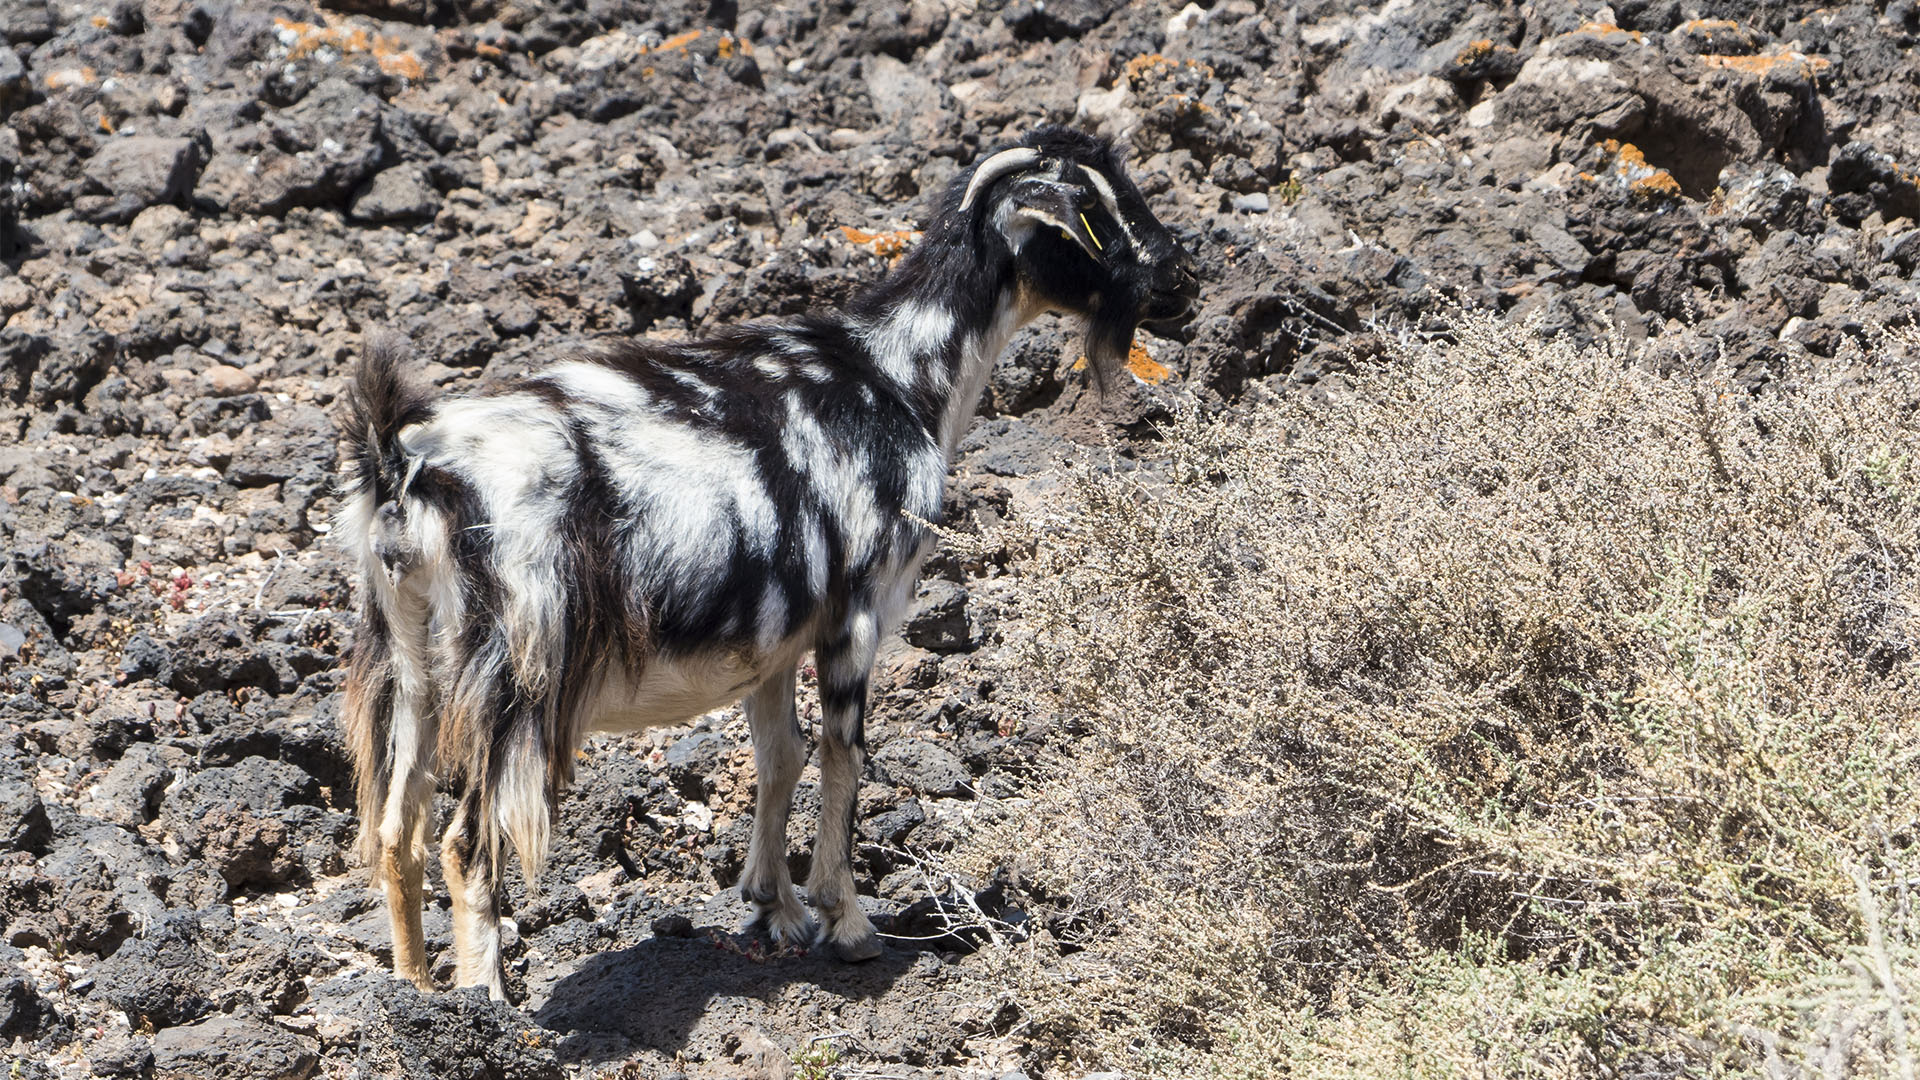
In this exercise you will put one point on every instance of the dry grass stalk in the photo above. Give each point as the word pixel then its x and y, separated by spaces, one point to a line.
pixel 1513 711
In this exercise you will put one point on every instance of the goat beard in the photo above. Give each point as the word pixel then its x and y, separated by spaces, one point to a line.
pixel 1109 340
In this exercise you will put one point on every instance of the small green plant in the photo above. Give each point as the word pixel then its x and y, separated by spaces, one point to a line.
pixel 1290 190
pixel 817 1060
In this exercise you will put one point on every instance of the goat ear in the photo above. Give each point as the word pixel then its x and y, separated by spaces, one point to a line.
pixel 1057 205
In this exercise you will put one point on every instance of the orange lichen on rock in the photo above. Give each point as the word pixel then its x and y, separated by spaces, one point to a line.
pixel 1707 26
pixel 887 245
pixel 100 22
pixel 1601 29
pixel 1811 67
pixel 304 39
pixel 677 41
pixel 67 78
pixel 1140 364
pixel 1640 176
pixel 730 45
pixel 1144 367
pixel 1475 50
pixel 1153 65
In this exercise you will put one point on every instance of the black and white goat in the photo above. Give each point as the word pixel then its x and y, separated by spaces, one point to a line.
pixel 634 537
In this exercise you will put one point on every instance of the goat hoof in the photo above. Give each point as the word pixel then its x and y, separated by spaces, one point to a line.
pixel 786 929
pixel 853 952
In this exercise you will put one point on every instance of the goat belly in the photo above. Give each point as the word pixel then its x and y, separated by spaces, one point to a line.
pixel 674 689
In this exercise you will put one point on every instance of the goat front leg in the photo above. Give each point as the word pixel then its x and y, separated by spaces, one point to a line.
pixel 474 891
pixel 779 753
pixel 844 666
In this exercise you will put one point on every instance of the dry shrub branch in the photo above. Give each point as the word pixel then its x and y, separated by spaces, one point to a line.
pixel 1512 710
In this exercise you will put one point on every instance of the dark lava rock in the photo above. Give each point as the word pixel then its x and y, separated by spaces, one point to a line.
pixel 218 652
pixel 233 1048
pixel 121 1055
pixel 66 577
pixel 189 964
pixel 231 818
pixel 312 153
pixel 23 817
pixel 938 619
pixel 25 22
pixel 74 902
pixel 892 827
pixel 458 1033
pixel 371 931
pixel 402 193
pixel 692 761
pixel 130 793
pixel 22 1010
pixel 293 439
pixel 266 786
pixel 168 976
pixel 136 172
pixel 672 925
pixel 923 767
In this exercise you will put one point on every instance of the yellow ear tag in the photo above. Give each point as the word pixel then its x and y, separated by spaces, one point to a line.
pixel 1090 233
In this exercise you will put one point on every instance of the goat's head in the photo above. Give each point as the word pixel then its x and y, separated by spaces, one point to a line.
pixel 1082 239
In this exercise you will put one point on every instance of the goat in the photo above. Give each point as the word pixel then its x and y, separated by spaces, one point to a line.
pixel 647 532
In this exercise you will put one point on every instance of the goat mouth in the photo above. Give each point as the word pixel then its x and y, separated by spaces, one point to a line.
pixel 1168 313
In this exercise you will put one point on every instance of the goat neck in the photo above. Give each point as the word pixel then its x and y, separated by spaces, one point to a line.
pixel 937 322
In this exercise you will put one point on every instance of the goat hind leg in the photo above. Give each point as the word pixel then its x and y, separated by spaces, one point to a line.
pixel 473 887
pixel 403 857
pixel 779 753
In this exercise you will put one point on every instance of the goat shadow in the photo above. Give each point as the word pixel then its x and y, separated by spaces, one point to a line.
pixel 691 993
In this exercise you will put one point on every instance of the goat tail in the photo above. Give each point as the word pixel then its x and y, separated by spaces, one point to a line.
pixel 522 802
pixel 383 401
pixel 496 748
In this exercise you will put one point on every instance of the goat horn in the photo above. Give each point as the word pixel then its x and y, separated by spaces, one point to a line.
pixel 997 166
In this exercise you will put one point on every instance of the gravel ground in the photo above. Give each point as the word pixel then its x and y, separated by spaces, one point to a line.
pixel 210 203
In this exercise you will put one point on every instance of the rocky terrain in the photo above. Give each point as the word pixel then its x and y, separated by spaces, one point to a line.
pixel 209 204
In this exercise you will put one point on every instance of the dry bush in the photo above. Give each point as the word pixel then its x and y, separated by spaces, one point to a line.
pixel 1510 711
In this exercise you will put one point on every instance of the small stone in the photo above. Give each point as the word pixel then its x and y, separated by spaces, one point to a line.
pixel 1252 203
pixel 540 217
pixel 673 926
pixel 938 621
pixel 226 381
pixel 1185 20
pixel 130 793
pixel 155 226
pixel 120 1055
pixel 234 1049
pixel 26 22
pixel 13 75
pixel 397 194
pixel 513 317
pixel 1902 250
pixel 22 1010
pixel 1560 248
pixel 761 1058
pixel 23 817
pixel 138 171
pixel 922 766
